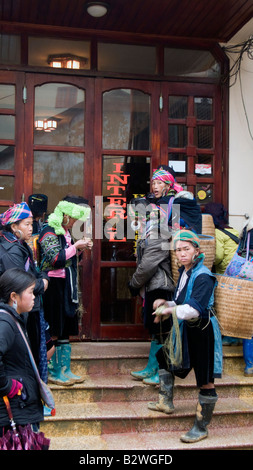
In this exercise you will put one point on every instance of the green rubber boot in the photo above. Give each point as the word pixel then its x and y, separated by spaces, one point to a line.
pixel 152 367
pixel 55 373
pixel 65 361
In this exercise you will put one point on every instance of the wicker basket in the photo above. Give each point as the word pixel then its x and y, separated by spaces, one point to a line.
pixel 233 305
pixel 208 227
pixel 207 246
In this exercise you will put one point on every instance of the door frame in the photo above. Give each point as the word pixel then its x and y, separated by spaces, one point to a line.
pixel 18 80
pixel 118 331
pixel 87 84
pixel 159 155
pixel 91 267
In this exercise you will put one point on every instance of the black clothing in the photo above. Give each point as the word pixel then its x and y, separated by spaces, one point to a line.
pixel 20 256
pixel 197 335
pixel 15 364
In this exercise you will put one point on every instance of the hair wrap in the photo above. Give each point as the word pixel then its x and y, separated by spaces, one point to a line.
pixel 71 209
pixel 186 236
pixel 14 214
pixel 167 178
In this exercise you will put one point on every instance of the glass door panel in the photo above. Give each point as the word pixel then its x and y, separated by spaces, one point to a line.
pixel 57 174
pixel 126 120
pixel 59 115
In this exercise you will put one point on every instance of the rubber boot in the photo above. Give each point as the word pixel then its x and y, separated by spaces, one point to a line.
pixel 55 374
pixel 65 361
pixel 154 380
pixel 248 357
pixel 203 417
pixel 152 367
pixel 166 392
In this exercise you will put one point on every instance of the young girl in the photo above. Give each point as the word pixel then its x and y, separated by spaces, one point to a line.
pixel 17 378
pixel 200 344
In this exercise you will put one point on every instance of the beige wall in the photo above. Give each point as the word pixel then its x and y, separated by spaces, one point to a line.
pixel 240 140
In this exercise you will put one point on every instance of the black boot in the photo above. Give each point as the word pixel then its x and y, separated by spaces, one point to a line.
pixel 165 403
pixel 203 417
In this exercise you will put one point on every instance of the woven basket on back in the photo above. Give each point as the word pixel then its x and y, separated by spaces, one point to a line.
pixel 207 246
pixel 208 227
pixel 233 305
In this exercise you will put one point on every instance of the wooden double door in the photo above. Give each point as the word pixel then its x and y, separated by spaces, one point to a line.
pixel 101 138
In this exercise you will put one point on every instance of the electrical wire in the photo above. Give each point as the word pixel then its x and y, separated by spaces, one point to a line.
pixel 235 70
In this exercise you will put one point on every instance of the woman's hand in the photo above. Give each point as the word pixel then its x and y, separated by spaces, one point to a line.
pixel 162 310
pixel 83 244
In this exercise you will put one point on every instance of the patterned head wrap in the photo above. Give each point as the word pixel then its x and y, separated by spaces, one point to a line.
pixel 14 214
pixel 71 209
pixel 186 236
pixel 167 178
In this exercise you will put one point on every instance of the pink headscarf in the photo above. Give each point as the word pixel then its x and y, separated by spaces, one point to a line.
pixel 168 178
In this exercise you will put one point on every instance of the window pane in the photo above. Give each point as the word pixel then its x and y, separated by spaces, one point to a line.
pixel 177 136
pixel 203 137
pixel 123 179
pixel 7 188
pixel 203 108
pixel 204 193
pixel 9 49
pixel 7 127
pixel 178 107
pixel 59 115
pixel 7 96
pixel 6 157
pixel 204 165
pixel 178 162
pixel 126 120
pixel 126 58
pixel 50 52
pixel 57 174
pixel 187 62
pixel 117 305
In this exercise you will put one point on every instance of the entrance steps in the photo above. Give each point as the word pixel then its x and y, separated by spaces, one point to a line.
pixel 108 411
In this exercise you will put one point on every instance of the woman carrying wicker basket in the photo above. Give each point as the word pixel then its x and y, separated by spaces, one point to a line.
pixel 194 341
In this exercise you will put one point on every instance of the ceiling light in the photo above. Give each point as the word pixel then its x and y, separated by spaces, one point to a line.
pixel 67 61
pixel 97 9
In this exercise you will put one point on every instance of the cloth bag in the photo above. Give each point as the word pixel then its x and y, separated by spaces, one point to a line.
pixel 239 266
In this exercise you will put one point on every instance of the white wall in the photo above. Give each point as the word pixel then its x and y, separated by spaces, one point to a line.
pixel 240 141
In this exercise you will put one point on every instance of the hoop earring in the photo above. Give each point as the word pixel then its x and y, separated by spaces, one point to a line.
pixel 135 225
pixel 194 257
pixel 20 233
pixel 15 305
pixel 65 223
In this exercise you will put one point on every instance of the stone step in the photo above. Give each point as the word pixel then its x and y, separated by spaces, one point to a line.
pixel 120 358
pixel 110 388
pixel 235 439
pixel 108 411
pixel 118 417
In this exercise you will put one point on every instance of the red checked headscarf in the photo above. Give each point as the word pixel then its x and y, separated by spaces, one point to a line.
pixel 166 177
